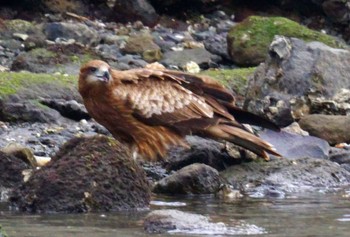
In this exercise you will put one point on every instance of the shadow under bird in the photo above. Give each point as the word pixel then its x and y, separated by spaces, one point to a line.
pixel 152 109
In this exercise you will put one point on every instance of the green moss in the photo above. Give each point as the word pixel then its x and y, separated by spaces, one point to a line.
pixel 254 35
pixel 11 82
pixel 2 232
pixel 42 53
pixel 233 78
pixel 261 30
pixel 19 26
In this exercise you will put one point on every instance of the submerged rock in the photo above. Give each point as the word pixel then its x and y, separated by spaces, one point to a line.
pixel 193 179
pixel 87 174
pixel 173 221
pixel 281 177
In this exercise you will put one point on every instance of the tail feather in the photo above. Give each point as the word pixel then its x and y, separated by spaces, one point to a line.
pixel 244 139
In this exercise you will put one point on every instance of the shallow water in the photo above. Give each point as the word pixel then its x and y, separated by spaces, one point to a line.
pixel 304 215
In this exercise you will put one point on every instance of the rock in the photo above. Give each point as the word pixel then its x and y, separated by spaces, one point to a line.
pixel 21 152
pixel 11 169
pixel 333 128
pixel 87 174
pixel 20 94
pixel 198 55
pixel 143 45
pixel 70 109
pixel 293 146
pixel 217 45
pixel 77 31
pixel 174 221
pixel 64 6
pixel 193 179
pixel 341 156
pixel 248 41
pixel 281 177
pixel 294 74
pixel 337 11
pixel 135 10
pixel 205 151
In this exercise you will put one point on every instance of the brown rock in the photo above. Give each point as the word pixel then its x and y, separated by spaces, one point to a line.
pixel 332 128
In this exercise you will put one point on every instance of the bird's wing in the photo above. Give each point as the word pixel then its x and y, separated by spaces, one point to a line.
pixel 159 98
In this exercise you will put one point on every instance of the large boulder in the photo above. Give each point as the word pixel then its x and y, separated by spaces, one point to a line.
pixel 333 128
pixel 135 10
pixel 20 96
pixel 282 177
pixel 69 30
pixel 87 174
pixel 248 42
pixel 295 77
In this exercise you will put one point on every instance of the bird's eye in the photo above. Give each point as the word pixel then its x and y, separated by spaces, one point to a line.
pixel 93 69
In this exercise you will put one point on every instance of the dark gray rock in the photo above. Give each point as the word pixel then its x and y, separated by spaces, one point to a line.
pixel 293 146
pixel 87 174
pixel 341 156
pixel 205 151
pixel 217 45
pixel 281 177
pixel 336 10
pixel 11 176
pixel 135 10
pixel 198 55
pixel 77 31
pixel 193 179
pixel 293 75
pixel 333 128
pixel 70 109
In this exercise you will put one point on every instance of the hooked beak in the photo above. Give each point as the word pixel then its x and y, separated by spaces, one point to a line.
pixel 104 76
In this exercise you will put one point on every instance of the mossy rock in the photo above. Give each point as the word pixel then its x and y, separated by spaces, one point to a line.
pixel 19 82
pixel 19 26
pixel 54 58
pixel 236 79
pixel 87 174
pixel 249 40
pixel 20 93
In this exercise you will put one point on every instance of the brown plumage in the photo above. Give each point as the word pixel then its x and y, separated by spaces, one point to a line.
pixel 153 109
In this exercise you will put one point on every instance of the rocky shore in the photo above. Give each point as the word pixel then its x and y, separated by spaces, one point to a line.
pixel 295 72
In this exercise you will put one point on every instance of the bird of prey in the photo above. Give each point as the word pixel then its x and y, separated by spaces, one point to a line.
pixel 153 109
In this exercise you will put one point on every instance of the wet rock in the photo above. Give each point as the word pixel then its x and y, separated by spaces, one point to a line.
pixel 198 55
pixel 341 156
pixel 11 170
pixel 21 152
pixel 87 174
pixel 294 146
pixel 193 179
pixel 333 128
pixel 135 10
pixel 205 151
pixel 281 177
pixel 174 221
pixel 294 73
pixel 248 41
pixel 77 31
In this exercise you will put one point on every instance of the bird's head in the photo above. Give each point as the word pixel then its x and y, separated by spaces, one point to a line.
pixel 95 72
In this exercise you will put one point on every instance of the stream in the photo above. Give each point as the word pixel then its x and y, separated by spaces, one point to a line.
pixel 315 214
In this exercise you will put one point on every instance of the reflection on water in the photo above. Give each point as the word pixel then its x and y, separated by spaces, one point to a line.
pixel 312 215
